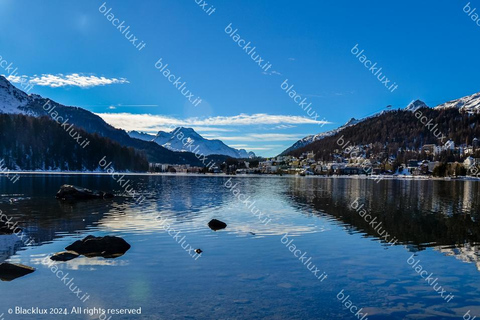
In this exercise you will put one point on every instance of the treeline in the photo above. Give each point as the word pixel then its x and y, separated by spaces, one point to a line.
pixel 29 143
pixel 94 124
pixel 392 133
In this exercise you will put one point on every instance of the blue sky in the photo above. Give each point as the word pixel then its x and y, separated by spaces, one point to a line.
pixel 429 48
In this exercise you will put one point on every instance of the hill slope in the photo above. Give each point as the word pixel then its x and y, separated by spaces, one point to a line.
pixel 30 143
pixel 312 138
pixel 447 116
pixel 399 131
pixel 15 101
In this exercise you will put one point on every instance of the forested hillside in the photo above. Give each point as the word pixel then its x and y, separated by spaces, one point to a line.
pixel 396 132
pixel 30 143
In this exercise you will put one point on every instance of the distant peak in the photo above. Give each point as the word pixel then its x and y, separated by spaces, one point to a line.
pixel 351 121
pixel 185 130
pixel 4 81
pixel 11 96
pixel 414 105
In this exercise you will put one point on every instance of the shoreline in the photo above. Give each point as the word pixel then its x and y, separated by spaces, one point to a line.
pixel 359 177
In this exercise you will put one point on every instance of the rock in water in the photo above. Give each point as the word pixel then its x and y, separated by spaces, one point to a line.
pixel 69 192
pixel 9 227
pixel 64 256
pixel 107 247
pixel 4 228
pixel 9 271
pixel 215 225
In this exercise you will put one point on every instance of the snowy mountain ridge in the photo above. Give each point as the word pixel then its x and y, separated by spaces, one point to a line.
pixel 180 138
pixel 312 138
pixel 12 98
pixel 469 104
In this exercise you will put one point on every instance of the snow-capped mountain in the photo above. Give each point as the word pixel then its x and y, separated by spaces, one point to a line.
pixel 470 104
pixel 11 98
pixel 414 105
pixel 15 101
pixel 309 139
pixel 181 138
pixel 312 138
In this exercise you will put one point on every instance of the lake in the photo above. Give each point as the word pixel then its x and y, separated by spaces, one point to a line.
pixel 250 270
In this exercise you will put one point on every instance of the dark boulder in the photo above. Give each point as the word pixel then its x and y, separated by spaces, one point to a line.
pixel 4 228
pixel 9 271
pixel 9 227
pixel 215 225
pixel 107 247
pixel 64 256
pixel 69 192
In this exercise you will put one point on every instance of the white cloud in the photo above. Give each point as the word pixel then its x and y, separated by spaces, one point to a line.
pixel 203 129
pixel 258 137
pixel 152 123
pixel 257 149
pixel 74 80
pixel 116 106
pixel 284 126
pixel 249 148
pixel 138 105
pixel 272 73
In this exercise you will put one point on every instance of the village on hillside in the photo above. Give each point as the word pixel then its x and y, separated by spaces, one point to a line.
pixel 447 160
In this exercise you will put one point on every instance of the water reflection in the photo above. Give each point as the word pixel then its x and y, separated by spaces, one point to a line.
pixel 421 214
pixel 467 253
pixel 440 214
pixel 9 244
pixel 246 272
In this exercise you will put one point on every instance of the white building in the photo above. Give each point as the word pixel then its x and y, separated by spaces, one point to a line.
pixel 467 163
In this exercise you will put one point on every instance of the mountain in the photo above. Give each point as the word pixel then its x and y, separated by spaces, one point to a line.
pixel 399 133
pixel 312 138
pixel 15 101
pixel 181 138
pixel 11 99
pixel 414 105
pixel 141 135
pixel 30 143
pixel 469 104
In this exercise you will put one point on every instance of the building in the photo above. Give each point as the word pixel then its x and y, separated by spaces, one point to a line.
pixel 429 148
pixel 469 162
pixel 449 145
pixel 412 164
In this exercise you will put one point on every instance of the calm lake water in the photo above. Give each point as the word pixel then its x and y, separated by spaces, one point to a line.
pixel 245 272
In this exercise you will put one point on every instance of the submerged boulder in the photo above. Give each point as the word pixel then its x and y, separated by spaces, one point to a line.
pixel 215 225
pixel 69 192
pixel 10 271
pixel 64 256
pixel 107 247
